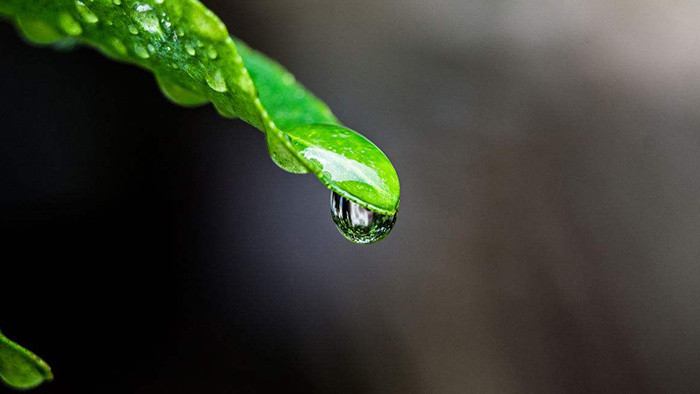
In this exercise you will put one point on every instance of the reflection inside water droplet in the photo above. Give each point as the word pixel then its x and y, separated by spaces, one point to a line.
pixel 357 223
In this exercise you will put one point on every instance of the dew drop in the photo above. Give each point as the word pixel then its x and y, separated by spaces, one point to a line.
pixel 211 52
pixel 190 50
pixel 146 17
pixel 159 1
pixel 69 25
pixel 117 2
pixel 357 223
pixel 85 13
pixel 246 83
pixel 141 52
pixel 151 48
pixel 118 46
pixel 215 80
pixel 132 29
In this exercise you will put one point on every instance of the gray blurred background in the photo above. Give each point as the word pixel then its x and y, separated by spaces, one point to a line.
pixel 547 240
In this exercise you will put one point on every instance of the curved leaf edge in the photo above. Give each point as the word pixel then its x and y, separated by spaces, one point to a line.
pixel 41 366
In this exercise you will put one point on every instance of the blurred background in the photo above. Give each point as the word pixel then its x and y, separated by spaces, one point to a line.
pixel 547 240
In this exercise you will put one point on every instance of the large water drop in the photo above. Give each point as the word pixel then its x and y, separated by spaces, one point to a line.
pixel 215 80
pixel 146 17
pixel 357 223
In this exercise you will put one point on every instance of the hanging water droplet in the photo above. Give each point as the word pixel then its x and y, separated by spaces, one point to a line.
pixel 357 223
pixel 190 49
pixel 117 2
pixel 85 13
pixel 159 1
pixel 132 29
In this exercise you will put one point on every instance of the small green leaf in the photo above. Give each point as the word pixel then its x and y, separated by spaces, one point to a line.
pixel 195 61
pixel 20 368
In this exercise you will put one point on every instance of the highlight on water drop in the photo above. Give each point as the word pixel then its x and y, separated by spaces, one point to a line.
pixel 357 223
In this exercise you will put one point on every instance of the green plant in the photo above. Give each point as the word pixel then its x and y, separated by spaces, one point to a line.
pixel 196 61
pixel 20 368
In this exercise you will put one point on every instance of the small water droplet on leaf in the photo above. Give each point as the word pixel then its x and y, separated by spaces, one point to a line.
pixel 215 80
pixel 141 52
pixel 246 83
pixel 211 52
pixel 118 46
pixel 69 25
pixel 357 223
pixel 85 13
pixel 146 17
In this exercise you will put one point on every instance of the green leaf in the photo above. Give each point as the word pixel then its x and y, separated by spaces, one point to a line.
pixel 196 61
pixel 20 368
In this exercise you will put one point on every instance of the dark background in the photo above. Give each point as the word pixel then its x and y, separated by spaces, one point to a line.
pixel 547 241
